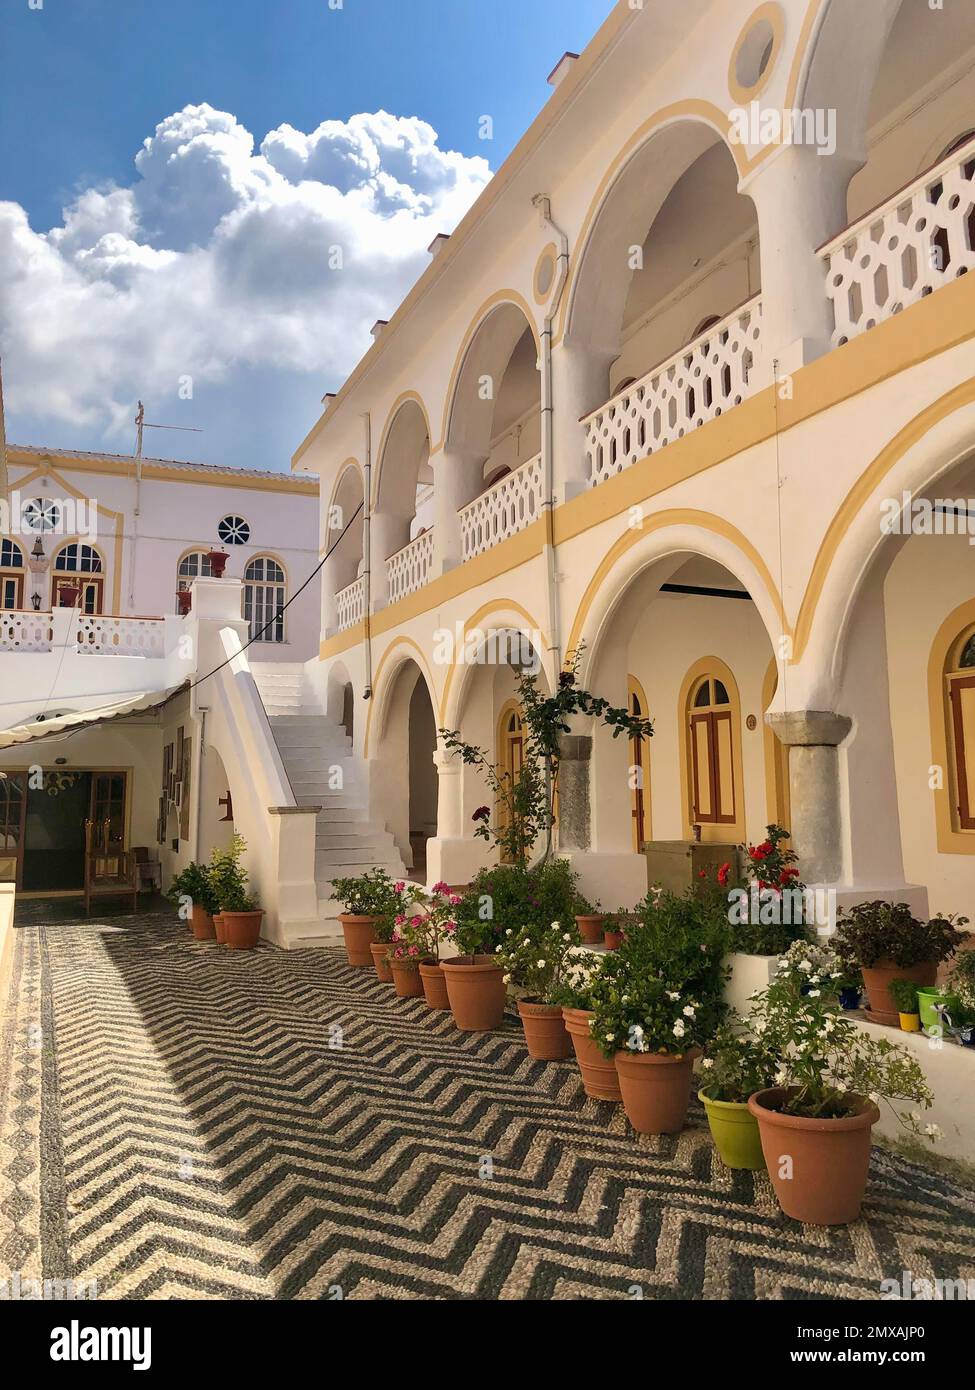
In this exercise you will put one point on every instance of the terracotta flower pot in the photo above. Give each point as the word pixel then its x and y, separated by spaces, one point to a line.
pixel 218 562
pixel 242 930
pixel 359 933
pixel 734 1130
pixel 434 985
pixel 612 940
pixel 475 988
pixel 599 1078
pixel 218 929
pixel 877 978
pixel 591 929
pixel 656 1089
pixel 379 950
pixel 201 924
pixel 818 1167
pixel 545 1034
pixel 184 602
pixel 406 979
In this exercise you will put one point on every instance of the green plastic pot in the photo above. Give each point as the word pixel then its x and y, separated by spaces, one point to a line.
pixel 927 998
pixel 734 1130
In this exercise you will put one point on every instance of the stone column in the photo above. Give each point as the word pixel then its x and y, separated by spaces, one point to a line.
pixel 800 196
pixel 813 738
pixel 575 817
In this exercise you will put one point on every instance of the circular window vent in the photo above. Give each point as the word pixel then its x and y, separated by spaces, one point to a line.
pixel 234 530
pixel 41 515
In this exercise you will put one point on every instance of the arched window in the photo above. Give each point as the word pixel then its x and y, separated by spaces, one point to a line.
pixel 78 566
pixel 960 687
pixel 639 769
pixel 511 755
pixel 958 143
pixel 11 575
pixel 711 733
pixel 264 599
pixel 194 565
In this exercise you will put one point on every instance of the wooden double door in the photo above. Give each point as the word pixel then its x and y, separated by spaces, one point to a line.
pixel 42 827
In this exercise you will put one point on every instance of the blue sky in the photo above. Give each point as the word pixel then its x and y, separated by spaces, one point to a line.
pixel 205 264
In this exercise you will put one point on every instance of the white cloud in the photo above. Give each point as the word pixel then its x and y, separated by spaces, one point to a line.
pixel 217 258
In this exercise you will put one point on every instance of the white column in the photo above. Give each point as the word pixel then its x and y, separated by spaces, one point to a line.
pixel 580 384
pixel 456 481
pixel 800 196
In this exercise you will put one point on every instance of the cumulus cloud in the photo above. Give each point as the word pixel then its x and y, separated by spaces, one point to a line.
pixel 220 258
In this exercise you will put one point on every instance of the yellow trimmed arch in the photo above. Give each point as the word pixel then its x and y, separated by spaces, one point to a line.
pixel 711 667
pixel 958 624
pixel 406 649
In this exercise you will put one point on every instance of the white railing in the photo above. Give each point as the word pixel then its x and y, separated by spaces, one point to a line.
pixel 410 568
pixel 351 604
pixel 25 632
pixel 103 635
pixel 504 510
pixel 710 375
pixel 916 242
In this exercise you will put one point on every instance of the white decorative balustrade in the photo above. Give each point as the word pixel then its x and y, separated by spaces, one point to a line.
pixel 504 510
pixel 25 632
pixel 919 240
pixel 104 635
pixel 351 604
pixel 710 375
pixel 410 568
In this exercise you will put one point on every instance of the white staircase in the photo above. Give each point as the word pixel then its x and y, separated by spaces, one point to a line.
pixel 323 771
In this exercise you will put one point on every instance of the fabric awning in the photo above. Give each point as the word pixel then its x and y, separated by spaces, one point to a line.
pixel 58 723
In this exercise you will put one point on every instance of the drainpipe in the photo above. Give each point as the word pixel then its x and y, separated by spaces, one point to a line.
pixel 198 776
pixel 544 206
pixel 367 555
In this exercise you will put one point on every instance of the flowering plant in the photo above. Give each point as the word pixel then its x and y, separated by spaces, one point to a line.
pixel 828 1066
pixel 881 931
pixel 737 1063
pixel 537 961
pixel 769 913
pixel 372 894
pixel 645 1014
pixel 422 923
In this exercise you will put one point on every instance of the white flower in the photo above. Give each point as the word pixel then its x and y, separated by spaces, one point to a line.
pixel 610 1037
pixel 781 1078
pixel 506 979
pixel 934 1131
pixel 567 936
pixel 688 1011
pixel 679 1029
pixel 672 994
pixel 556 926
pixel 541 965
pixel 814 993
pixel 708 1063
pixel 497 949
pixel 508 932
pixel 874 1098
pixel 805 965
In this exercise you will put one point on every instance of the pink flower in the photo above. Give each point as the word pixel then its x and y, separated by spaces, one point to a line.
pixel 455 900
pixel 416 921
pixel 400 887
pixel 450 927
pixel 441 888
pixel 413 951
pixel 400 919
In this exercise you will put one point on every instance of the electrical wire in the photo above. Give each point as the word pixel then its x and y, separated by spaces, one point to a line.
pixel 283 609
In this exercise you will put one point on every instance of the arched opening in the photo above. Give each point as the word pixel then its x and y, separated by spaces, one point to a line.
pixel 404 494
pixel 342 605
pixel 11 574
pixel 510 754
pixel 407 774
pixel 195 564
pixel 639 707
pixel 711 713
pixel 265 594
pixel 79 566
pixel 494 423
pixel 673 247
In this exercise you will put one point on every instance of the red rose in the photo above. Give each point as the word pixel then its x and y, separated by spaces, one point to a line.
pixel 724 873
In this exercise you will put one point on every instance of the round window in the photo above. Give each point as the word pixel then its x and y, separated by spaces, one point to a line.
pixel 234 530
pixel 41 515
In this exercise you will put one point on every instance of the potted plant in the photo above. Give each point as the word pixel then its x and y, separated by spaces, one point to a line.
pixel 961 1004
pixel 589 920
pixel 889 943
pixel 192 889
pixel 850 987
pixel 584 980
pixel 218 558
pixel 614 928
pixel 737 1063
pixel 184 602
pixel 366 899
pixel 535 962
pixel 240 914
pixel 816 1120
pixel 440 927
pixel 904 995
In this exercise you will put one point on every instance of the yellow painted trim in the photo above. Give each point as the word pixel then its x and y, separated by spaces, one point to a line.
pixel 633 687
pixel 911 434
pixel 344 467
pixel 771 11
pixel 711 834
pixel 480 317
pixel 499 605
pixel 661 520
pixel 419 659
pixel 160 473
pixel 802 54
pixel 394 410
pixel 550 251
pixel 950 840
pixel 117 517
pixel 778 797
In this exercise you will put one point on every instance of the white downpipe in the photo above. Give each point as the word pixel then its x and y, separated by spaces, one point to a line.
pixel 367 555
pixel 198 777
pixel 542 202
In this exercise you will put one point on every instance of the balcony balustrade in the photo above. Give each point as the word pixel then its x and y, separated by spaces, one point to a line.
pixel 351 604
pixel 103 635
pixel 410 568
pixel 504 510
pixel 710 375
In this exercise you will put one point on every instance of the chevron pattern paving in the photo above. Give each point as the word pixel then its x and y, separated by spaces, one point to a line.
pixel 198 1123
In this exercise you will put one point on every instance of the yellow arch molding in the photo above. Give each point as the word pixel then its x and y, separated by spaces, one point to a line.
pixel 344 467
pixel 416 654
pixel 950 840
pixel 492 302
pixel 394 410
pixel 677 517
pixel 501 605
pixel 721 833
pixel 892 453
pixel 117 518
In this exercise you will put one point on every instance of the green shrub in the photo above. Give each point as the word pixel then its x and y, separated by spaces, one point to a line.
pixel 229 878
pixel 372 894
pixel 878 931
pixel 194 882
pixel 509 896
pixel 904 995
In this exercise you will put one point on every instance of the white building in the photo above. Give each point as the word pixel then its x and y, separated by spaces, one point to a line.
pixel 660 397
